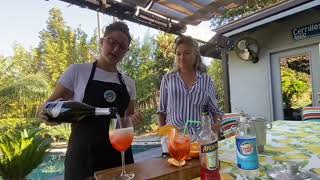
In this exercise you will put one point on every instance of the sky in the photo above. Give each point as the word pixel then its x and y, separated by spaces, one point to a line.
pixel 21 21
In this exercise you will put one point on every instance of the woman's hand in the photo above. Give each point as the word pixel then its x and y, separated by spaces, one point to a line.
pixel 45 118
pixel 136 118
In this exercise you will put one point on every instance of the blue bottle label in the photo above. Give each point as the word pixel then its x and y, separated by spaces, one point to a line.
pixel 247 156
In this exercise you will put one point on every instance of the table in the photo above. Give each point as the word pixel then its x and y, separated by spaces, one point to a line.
pixel 156 169
pixel 297 141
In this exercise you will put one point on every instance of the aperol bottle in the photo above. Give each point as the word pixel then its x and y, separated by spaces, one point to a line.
pixel 208 141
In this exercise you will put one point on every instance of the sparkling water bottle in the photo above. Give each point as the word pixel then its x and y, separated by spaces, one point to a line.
pixel 246 146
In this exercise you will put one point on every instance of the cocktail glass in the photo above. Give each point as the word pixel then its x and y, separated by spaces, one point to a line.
pixel 179 147
pixel 121 136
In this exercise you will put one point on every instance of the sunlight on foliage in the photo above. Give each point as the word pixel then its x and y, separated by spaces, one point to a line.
pixel 58 133
pixel 295 85
pixel 21 153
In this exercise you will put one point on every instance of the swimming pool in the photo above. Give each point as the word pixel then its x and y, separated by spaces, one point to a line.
pixel 53 164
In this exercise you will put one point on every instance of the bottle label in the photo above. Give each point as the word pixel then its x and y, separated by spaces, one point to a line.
pixel 102 111
pixel 247 156
pixel 209 155
pixel 56 109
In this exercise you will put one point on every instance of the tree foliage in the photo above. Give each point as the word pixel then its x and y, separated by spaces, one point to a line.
pixel 61 46
pixel 28 77
pixel 249 7
pixel 164 55
pixel 215 72
pixel 294 85
pixel 22 97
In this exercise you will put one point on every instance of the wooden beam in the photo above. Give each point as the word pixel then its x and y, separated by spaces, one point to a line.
pixel 226 80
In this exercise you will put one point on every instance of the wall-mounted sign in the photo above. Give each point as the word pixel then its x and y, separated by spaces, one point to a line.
pixel 306 31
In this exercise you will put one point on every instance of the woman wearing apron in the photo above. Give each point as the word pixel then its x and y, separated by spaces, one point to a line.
pixel 101 85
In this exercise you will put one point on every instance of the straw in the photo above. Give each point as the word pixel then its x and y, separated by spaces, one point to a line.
pixel 189 123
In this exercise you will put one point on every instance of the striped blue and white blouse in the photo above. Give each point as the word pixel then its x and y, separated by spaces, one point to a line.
pixel 179 103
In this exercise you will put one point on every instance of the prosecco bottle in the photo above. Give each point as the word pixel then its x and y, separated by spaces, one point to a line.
pixel 73 111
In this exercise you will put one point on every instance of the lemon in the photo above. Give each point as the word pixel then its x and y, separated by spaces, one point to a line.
pixel 166 130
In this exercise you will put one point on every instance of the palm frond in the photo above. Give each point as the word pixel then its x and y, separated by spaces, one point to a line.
pixel 21 153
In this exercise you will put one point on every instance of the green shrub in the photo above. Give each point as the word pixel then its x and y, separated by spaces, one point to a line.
pixel 18 124
pixel 58 133
pixel 21 152
pixel 149 122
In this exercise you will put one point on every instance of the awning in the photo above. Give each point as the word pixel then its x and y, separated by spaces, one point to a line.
pixel 170 16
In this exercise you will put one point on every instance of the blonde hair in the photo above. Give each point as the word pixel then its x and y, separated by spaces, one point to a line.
pixel 199 66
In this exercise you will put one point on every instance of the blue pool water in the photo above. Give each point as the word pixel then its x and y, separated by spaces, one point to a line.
pixel 53 164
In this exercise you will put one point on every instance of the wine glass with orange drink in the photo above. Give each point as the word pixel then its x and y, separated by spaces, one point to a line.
pixel 121 136
pixel 179 147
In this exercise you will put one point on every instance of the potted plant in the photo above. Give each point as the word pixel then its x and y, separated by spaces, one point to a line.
pixel 20 153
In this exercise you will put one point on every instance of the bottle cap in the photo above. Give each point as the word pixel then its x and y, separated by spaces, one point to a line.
pixel 243 119
pixel 106 111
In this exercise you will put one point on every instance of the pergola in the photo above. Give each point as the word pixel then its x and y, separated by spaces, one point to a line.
pixel 170 16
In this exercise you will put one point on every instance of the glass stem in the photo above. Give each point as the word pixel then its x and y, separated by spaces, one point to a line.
pixel 123 172
pixel 180 170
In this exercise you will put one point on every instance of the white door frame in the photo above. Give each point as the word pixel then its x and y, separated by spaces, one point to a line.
pixel 314 51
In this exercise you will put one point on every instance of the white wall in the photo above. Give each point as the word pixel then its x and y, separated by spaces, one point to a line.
pixel 250 84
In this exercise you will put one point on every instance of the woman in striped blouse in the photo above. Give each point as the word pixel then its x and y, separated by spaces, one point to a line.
pixel 186 89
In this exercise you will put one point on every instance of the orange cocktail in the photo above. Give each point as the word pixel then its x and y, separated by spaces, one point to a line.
pixel 121 136
pixel 121 139
pixel 179 146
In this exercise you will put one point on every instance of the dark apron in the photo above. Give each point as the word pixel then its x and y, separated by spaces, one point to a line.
pixel 89 147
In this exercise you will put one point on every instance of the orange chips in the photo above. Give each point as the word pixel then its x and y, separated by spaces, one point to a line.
pixel 194 150
pixel 175 162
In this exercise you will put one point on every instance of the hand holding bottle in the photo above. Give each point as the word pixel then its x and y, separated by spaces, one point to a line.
pixel 43 117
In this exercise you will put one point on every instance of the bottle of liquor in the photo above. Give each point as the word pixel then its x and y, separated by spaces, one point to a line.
pixel 208 141
pixel 246 145
pixel 72 111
